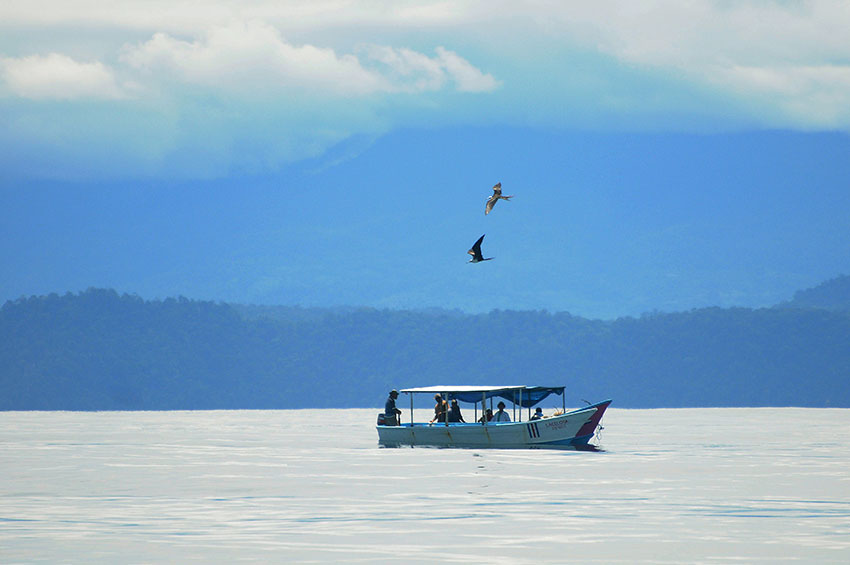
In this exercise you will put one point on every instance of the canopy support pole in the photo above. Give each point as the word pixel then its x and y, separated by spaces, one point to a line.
pixel 520 405
pixel 483 408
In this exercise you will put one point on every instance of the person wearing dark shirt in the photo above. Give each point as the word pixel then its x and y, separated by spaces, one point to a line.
pixel 391 413
pixel 538 414
pixel 486 416
pixel 454 413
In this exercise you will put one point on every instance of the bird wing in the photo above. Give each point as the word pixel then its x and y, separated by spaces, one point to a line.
pixel 497 193
pixel 476 248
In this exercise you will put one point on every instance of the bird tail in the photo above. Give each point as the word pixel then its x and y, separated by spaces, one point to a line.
pixel 507 197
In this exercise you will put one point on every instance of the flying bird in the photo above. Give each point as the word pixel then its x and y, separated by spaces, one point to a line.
pixel 477 257
pixel 497 194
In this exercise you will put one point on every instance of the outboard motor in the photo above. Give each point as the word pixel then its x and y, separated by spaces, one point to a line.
pixel 384 420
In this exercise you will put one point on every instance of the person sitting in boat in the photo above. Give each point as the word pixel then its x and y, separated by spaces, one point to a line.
pixel 501 415
pixel 454 412
pixel 538 414
pixel 486 417
pixel 439 409
pixel 391 413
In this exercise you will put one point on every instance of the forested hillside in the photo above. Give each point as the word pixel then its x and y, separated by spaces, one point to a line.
pixel 99 350
pixel 833 294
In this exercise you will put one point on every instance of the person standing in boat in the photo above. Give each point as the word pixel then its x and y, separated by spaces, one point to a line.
pixel 391 413
pixel 454 412
pixel 501 415
pixel 486 417
pixel 439 409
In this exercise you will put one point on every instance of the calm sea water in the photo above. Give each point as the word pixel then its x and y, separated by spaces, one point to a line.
pixel 671 486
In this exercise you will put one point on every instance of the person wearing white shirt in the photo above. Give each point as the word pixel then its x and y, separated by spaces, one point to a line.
pixel 501 415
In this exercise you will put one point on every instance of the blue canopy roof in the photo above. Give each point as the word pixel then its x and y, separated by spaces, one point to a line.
pixel 525 396
pixel 532 395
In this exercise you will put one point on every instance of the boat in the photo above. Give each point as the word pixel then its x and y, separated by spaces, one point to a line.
pixel 563 428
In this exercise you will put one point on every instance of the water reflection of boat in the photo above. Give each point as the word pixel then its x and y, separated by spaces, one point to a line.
pixel 564 428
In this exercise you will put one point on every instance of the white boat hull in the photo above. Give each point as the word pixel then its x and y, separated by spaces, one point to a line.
pixel 572 428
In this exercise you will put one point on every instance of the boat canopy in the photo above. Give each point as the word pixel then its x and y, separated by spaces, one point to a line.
pixel 525 396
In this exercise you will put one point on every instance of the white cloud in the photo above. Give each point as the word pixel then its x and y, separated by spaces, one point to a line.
pixel 704 42
pixel 58 77
pixel 467 77
pixel 233 97
pixel 250 58
pixel 809 97
pixel 255 58
pixel 195 16
pixel 410 71
pixel 790 60
pixel 236 98
pixel 300 75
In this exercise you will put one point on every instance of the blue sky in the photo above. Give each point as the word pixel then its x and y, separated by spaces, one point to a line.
pixel 664 155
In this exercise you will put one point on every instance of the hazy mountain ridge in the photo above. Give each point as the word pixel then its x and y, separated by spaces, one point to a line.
pixel 833 294
pixel 98 350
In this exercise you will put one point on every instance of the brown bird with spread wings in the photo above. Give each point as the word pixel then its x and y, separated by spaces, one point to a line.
pixel 497 195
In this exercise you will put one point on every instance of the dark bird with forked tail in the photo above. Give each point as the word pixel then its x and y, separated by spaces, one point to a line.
pixel 497 195
pixel 477 257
